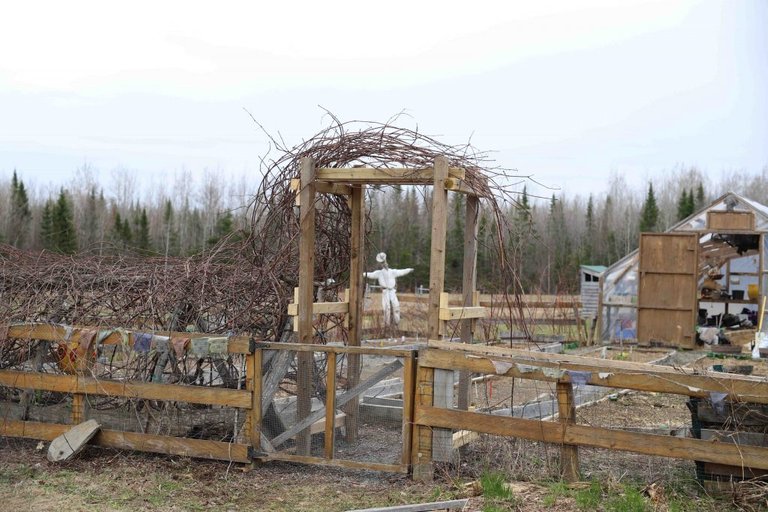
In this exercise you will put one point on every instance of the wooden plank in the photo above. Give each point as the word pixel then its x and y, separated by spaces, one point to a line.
pixel 463 313
pixel 52 332
pixel 129 389
pixel 337 349
pixel 330 406
pixel 72 442
pixel 355 317
pixel 322 308
pixel 582 435
pixel 419 507
pixel 342 399
pixel 254 385
pixel 569 454
pixel 199 448
pixel 78 409
pixel 730 221
pixel 614 374
pixel 338 463
pixel 371 176
pixel 421 451
pixel 409 390
pixel 306 299
pixel 468 284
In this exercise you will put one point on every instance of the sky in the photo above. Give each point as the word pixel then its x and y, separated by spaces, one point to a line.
pixel 564 91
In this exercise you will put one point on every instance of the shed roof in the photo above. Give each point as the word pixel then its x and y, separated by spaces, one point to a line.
pixel 595 269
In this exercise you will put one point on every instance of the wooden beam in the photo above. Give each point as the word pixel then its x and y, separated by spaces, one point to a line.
pixel 330 406
pixel 199 448
pixel 442 506
pixel 371 176
pixel 306 299
pixel 356 298
pixel 409 391
pixel 80 384
pixel 582 435
pixel 604 373
pixel 463 313
pixel 322 308
pixel 569 454
pixel 468 284
pixel 338 349
pixel 421 451
pixel 53 332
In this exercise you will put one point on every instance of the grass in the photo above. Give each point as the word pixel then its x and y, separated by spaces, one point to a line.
pixel 497 494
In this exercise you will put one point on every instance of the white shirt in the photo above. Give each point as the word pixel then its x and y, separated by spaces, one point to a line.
pixel 387 276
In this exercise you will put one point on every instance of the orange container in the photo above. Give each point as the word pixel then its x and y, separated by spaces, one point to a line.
pixel 753 292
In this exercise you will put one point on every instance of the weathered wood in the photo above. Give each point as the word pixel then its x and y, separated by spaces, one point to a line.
pixel 468 284
pixel 463 313
pixel 306 298
pixel 409 390
pixel 322 308
pixel 367 175
pixel 668 272
pixel 338 349
pixel 582 435
pixel 339 463
pixel 730 221
pixel 330 406
pixel 167 445
pixel 72 442
pixel 79 384
pixel 614 374
pixel 78 409
pixel 51 332
pixel 356 292
pixel 569 454
pixel 419 507
pixel 253 376
pixel 421 451
pixel 342 399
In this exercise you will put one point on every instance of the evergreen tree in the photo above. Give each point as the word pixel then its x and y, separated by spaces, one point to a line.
pixel 685 205
pixel 63 223
pixel 700 198
pixel 142 232
pixel 588 241
pixel 649 217
pixel 170 235
pixel 46 226
pixel 91 221
pixel 20 214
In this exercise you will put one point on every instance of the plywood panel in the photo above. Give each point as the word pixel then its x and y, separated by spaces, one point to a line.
pixel 667 289
pixel 731 221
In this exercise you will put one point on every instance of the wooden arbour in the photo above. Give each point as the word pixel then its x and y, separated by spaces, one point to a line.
pixel 433 387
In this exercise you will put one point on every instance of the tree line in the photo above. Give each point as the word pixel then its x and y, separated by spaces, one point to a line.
pixel 544 238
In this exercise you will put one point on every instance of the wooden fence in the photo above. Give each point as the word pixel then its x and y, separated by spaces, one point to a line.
pixel 266 367
pixel 564 370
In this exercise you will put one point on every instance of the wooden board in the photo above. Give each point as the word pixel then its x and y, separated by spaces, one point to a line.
pixel 667 289
pixel 730 221
pixel 72 442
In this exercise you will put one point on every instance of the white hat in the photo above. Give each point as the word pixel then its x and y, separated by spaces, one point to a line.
pixel 381 257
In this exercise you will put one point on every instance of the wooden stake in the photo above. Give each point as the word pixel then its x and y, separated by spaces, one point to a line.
pixel 468 287
pixel 330 405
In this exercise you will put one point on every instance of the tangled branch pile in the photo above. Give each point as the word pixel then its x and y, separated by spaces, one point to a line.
pixel 244 284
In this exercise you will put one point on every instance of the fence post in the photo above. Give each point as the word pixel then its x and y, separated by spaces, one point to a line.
pixel 569 454
pixel 253 379
pixel 330 404
pixel 421 452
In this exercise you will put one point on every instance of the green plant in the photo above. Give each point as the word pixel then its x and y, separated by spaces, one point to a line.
pixel 494 486
pixel 590 498
pixel 556 490
pixel 631 500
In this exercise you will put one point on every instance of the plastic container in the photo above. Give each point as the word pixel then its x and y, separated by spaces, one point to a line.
pixel 753 292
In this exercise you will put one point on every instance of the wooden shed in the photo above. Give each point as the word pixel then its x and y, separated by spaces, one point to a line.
pixel 711 264
pixel 589 279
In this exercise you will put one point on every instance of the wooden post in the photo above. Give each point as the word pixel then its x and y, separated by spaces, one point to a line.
pixel 432 380
pixel 409 390
pixel 468 288
pixel 569 454
pixel 253 376
pixel 330 405
pixel 421 451
pixel 78 408
pixel 356 290
pixel 306 298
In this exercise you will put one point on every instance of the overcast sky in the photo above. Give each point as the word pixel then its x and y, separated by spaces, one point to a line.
pixel 567 91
